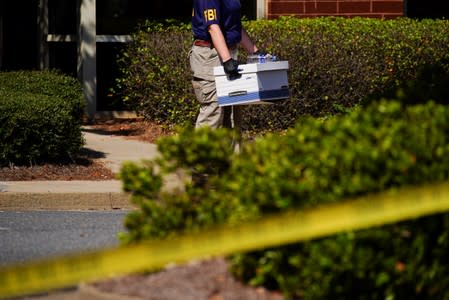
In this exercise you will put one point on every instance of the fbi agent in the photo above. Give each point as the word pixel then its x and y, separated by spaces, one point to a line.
pixel 217 31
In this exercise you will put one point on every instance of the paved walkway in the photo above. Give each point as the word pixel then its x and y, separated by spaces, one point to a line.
pixel 78 195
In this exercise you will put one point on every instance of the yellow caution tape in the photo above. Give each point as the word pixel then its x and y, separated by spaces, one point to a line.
pixel 364 212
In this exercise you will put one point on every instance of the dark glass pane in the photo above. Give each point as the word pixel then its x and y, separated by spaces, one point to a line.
pixel 19 34
pixel 63 57
pixel 107 72
pixel 62 16
pixel 427 9
pixel 122 16
pixel 249 9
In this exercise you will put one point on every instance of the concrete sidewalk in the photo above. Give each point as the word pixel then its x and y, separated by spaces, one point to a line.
pixel 79 195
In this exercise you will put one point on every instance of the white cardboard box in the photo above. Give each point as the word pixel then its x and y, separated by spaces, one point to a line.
pixel 259 83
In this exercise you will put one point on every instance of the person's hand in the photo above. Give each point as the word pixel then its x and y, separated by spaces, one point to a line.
pixel 260 52
pixel 231 68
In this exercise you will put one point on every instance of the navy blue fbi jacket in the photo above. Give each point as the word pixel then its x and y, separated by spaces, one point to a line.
pixel 225 13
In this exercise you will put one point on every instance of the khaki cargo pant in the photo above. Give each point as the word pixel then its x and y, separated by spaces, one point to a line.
pixel 202 62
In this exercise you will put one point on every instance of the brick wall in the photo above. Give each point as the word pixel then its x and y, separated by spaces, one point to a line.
pixel 350 8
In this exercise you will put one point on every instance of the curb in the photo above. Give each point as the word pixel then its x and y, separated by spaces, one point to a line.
pixel 63 195
pixel 64 201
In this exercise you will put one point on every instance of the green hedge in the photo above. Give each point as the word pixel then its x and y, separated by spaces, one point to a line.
pixel 380 147
pixel 155 79
pixel 335 63
pixel 40 117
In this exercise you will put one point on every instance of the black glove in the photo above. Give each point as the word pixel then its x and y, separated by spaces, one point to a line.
pixel 231 68
pixel 260 52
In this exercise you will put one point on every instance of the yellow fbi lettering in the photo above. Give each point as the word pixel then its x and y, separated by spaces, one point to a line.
pixel 210 14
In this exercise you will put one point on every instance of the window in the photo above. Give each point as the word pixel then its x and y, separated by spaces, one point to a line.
pixel 122 16
pixel 427 9
pixel 18 35
pixel 62 17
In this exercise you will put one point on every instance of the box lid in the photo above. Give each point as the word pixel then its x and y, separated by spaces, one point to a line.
pixel 257 67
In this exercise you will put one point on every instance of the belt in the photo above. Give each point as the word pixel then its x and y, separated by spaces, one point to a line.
pixel 203 43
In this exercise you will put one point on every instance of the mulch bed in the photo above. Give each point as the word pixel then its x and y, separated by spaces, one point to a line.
pixel 82 168
pixel 200 280
pixel 85 166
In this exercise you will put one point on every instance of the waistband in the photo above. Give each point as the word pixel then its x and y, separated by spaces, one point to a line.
pixel 204 43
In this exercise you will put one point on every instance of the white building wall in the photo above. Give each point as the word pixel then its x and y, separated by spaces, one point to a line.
pixel 87 64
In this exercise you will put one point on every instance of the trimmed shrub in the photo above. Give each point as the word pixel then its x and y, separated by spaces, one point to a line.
pixel 40 116
pixel 335 63
pixel 380 147
pixel 155 78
